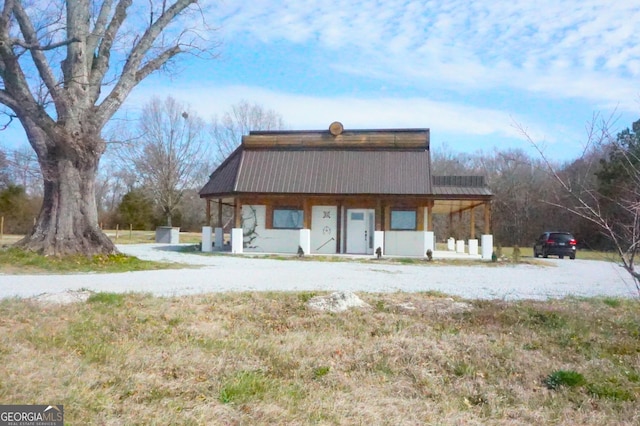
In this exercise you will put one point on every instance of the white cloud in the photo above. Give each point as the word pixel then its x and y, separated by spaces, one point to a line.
pixel 314 112
pixel 556 48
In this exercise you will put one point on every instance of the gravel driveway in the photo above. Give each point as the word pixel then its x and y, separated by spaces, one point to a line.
pixel 558 278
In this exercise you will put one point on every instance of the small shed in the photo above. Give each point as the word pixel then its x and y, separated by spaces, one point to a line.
pixel 338 191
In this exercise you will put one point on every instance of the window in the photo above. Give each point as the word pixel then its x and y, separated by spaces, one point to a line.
pixel 288 219
pixel 403 220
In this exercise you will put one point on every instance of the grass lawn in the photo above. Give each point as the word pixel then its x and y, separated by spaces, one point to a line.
pixel 265 358
pixel 14 261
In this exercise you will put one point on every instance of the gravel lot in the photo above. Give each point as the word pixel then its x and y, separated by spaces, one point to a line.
pixel 558 278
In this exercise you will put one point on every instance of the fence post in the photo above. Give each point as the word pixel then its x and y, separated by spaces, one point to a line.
pixel 117 229
pixel 1 227
pixel 130 231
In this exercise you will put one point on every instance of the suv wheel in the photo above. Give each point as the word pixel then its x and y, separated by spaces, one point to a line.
pixel 561 257
pixel 544 254
pixel 573 256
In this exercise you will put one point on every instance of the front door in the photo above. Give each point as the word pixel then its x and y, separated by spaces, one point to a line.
pixel 360 231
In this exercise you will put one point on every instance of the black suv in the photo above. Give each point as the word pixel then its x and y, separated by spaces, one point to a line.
pixel 559 244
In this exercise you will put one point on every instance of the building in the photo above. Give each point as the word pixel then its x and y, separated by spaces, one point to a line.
pixel 338 191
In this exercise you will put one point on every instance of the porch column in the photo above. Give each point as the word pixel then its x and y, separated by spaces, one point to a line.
pixel 206 246
pixel 237 213
pixel 487 217
pixel 219 225
pixel 430 216
pixel 387 216
pixel 472 221
pixel 379 215
pixel 306 208
pixel 339 228
pixel 208 222
pixel 420 219
pixel 237 241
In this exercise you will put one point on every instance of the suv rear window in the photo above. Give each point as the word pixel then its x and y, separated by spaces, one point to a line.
pixel 560 237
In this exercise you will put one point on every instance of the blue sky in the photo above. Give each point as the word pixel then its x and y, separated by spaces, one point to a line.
pixel 468 70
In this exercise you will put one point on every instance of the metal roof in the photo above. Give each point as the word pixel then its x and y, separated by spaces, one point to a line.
pixel 460 185
pixel 334 172
pixel 358 162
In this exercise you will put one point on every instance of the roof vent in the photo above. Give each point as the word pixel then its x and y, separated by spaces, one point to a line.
pixel 336 128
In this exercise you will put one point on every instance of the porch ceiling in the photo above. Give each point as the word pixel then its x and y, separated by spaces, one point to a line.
pixel 439 207
pixel 454 206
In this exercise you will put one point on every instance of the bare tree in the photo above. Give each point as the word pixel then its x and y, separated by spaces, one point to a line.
pixel 103 49
pixel 616 214
pixel 5 180
pixel 243 117
pixel 25 171
pixel 518 183
pixel 171 153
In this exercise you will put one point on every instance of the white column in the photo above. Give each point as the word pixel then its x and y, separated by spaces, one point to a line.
pixel 460 246
pixel 378 241
pixel 473 247
pixel 487 246
pixel 237 240
pixel 429 243
pixel 219 239
pixel 305 240
pixel 206 239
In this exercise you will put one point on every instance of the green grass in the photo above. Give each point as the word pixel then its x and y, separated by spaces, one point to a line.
pixel 265 358
pixel 564 378
pixel 14 260
pixel 245 386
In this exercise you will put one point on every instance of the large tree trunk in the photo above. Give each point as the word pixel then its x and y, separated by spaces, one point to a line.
pixel 68 220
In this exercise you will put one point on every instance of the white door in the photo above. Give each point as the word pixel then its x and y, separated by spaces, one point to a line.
pixel 323 229
pixel 360 231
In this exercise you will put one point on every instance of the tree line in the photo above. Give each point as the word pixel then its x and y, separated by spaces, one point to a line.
pixel 151 172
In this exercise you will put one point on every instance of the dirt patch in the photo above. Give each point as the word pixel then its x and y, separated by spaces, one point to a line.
pixel 63 298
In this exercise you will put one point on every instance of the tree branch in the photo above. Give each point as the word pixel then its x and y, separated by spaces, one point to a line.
pixel 31 38
pixel 98 31
pixel 37 47
pixel 157 62
pixel 128 79
pixel 8 100
pixel 100 64
pixel 8 123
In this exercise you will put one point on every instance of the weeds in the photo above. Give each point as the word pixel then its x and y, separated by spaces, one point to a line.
pixel 564 378
pixel 262 358
pixel 244 386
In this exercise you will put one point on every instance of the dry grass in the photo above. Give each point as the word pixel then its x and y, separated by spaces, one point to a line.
pixel 141 237
pixel 264 358
pixel 122 237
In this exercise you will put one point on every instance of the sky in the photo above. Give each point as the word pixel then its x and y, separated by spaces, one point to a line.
pixel 474 72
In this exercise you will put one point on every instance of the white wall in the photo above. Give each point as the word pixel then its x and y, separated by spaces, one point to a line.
pixel 404 243
pixel 264 240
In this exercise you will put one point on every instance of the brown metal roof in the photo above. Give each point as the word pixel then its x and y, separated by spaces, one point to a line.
pixel 334 172
pixel 459 185
pixel 357 162
pixel 223 180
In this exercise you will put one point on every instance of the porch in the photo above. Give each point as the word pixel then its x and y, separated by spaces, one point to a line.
pixel 399 226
